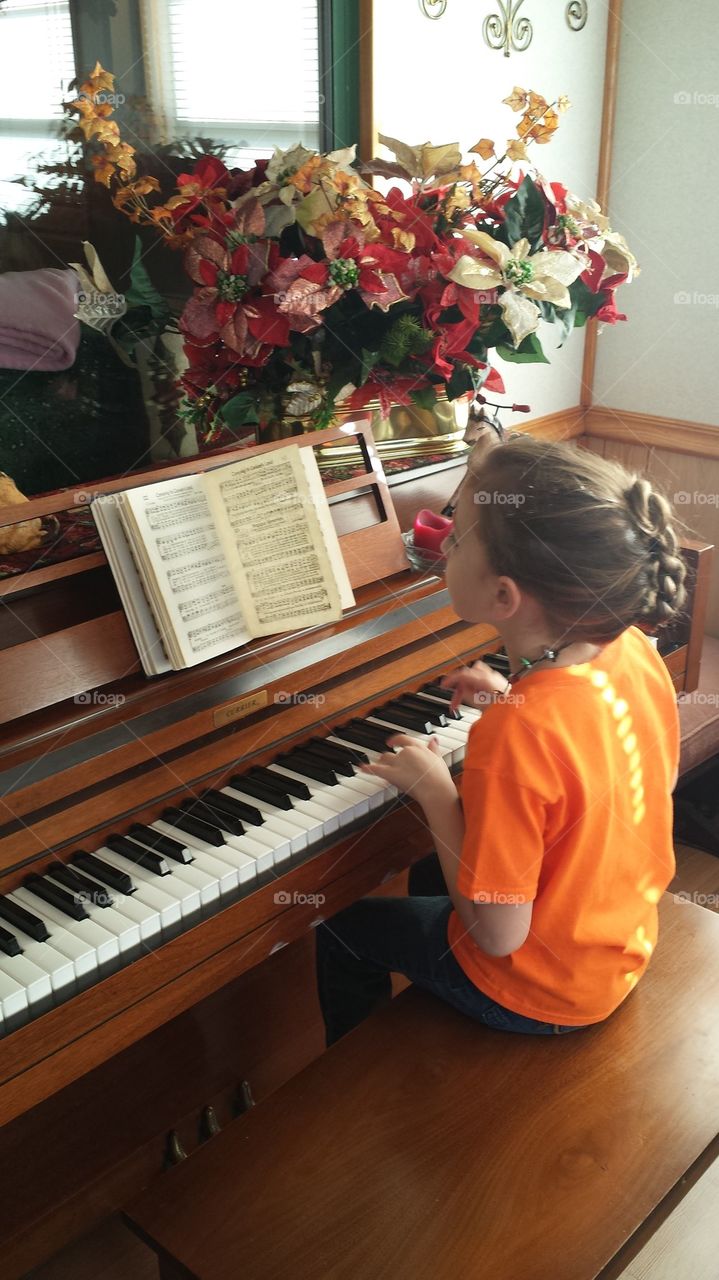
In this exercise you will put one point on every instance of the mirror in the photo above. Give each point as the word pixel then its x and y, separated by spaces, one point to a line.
pixel 80 402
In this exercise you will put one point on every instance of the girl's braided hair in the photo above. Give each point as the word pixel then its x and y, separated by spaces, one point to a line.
pixel 593 544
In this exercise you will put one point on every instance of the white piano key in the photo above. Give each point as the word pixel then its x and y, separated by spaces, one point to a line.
pixel 126 931
pixel 385 790
pixel 346 804
pixel 84 956
pixel 34 981
pixel 13 1002
pixel 304 813
pixel 170 896
pixel 167 907
pixel 280 821
pixel 58 968
pixel 216 859
pixel 448 746
pixel 146 918
pixel 207 884
pixel 106 945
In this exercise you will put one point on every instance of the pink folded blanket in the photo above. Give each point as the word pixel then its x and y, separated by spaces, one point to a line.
pixel 37 327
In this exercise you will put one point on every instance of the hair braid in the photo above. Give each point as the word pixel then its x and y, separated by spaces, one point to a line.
pixel 651 517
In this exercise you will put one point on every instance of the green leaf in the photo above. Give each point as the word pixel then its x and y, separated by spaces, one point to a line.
pixel 524 215
pixel 460 381
pixel 425 397
pixel 528 352
pixel 240 410
pixel 369 360
pixel 405 337
pixel 585 303
pixel 142 292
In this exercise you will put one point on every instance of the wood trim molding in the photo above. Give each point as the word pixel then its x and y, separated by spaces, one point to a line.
pixel 367 128
pixel 697 438
pixel 562 425
pixel 609 104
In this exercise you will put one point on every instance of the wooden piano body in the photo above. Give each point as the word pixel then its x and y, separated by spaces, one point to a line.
pixel 90 1090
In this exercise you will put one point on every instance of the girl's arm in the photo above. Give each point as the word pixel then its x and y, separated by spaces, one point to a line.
pixel 419 771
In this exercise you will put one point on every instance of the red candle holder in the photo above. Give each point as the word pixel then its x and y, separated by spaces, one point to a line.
pixel 430 531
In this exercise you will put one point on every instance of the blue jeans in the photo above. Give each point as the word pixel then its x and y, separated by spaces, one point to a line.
pixel 360 947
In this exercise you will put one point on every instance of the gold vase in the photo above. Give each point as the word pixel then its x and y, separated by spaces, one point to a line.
pixel 407 431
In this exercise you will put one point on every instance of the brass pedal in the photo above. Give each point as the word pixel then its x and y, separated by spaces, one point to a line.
pixel 209 1124
pixel 174 1151
pixel 244 1100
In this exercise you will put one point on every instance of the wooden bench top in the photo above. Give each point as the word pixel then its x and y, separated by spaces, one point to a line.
pixel 426 1146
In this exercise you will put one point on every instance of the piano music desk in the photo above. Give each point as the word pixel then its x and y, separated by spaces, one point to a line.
pixel 424 1145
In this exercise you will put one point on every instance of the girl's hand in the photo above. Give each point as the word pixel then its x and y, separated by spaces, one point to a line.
pixel 418 769
pixel 475 685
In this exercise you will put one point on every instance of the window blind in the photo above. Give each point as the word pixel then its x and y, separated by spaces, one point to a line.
pixel 37 64
pixel 244 72
pixel 36 54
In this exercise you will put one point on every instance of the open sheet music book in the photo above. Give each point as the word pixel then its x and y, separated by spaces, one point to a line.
pixel 206 562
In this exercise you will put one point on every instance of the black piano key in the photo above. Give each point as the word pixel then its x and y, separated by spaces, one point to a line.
pixel 9 943
pixel 367 735
pixel 71 879
pixel 435 715
pixel 193 826
pixel 160 843
pixel 309 766
pixel 203 809
pixel 396 714
pixel 138 853
pixel 497 661
pixel 338 763
pixel 57 897
pixel 290 786
pixel 102 871
pixel 436 691
pixel 23 919
pixel 446 710
pixel 353 754
pixel 262 790
pixel 235 808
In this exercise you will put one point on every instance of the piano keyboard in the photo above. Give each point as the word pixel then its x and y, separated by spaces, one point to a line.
pixel 71 925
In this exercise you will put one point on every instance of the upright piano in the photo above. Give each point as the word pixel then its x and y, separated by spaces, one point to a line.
pixel 167 847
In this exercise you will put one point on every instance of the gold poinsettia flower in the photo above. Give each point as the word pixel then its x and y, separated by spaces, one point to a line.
pixel 525 278
pixel 618 256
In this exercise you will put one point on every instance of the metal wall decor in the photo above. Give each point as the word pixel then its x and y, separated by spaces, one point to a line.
pixel 505 30
pixel 433 8
pixel 576 13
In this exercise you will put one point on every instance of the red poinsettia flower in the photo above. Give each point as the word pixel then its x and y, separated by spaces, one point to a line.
pixel 208 181
pixel 302 290
pixel 372 269
pixel 229 303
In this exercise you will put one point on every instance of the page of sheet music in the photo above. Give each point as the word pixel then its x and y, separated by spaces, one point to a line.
pixel 180 541
pixel 265 508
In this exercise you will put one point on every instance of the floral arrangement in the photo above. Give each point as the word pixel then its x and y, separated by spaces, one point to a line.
pixel 313 289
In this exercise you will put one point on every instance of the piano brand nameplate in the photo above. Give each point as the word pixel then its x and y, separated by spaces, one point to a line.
pixel 241 708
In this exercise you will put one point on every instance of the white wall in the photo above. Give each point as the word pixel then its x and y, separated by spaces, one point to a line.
pixel 664 198
pixel 439 82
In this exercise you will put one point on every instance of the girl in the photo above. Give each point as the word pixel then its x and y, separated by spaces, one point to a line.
pixel 538 912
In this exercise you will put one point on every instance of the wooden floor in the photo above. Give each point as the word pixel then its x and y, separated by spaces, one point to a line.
pixel 684 1247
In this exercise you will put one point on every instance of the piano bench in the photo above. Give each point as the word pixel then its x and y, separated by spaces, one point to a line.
pixel 424 1145
pixel 699 712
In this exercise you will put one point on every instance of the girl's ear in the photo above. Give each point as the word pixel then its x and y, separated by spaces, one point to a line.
pixel 507 598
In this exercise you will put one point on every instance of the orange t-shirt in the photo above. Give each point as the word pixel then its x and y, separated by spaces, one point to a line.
pixel 567 803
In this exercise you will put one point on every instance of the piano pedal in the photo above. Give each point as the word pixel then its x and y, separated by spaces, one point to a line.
pixel 243 1098
pixel 174 1151
pixel 209 1124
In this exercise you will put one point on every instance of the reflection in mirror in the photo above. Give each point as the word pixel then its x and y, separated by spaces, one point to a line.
pixel 90 351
